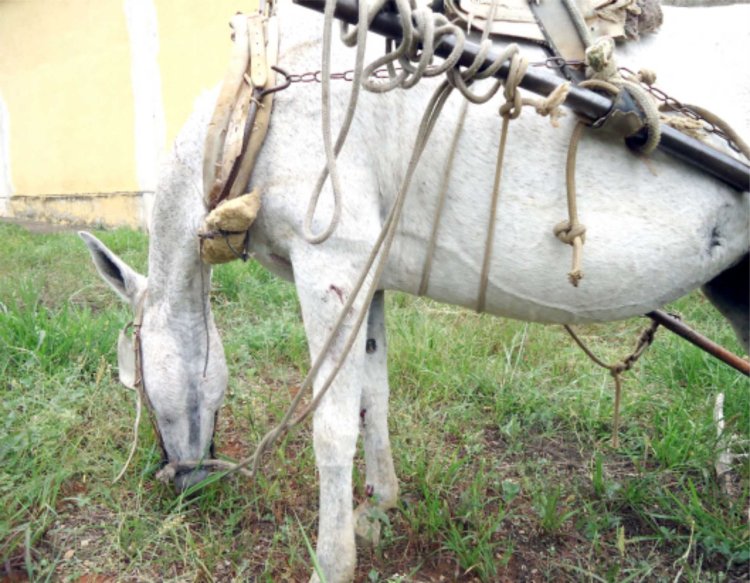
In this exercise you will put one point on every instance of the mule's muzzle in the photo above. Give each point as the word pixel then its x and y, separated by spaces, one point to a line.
pixel 188 478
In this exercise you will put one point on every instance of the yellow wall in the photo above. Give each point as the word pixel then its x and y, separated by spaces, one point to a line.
pixel 188 65
pixel 69 137
pixel 65 77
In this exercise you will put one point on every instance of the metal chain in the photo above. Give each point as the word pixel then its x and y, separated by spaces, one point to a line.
pixel 557 63
pixel 678 107
pixel 316 76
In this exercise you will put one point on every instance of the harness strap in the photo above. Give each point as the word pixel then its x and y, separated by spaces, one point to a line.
pixel 235 136
pixel 219 124
pixel 240 120
pixel 257 131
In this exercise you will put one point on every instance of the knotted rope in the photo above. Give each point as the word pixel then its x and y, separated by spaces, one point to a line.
pixel 645 340
pixel 571 231
pixel 604 76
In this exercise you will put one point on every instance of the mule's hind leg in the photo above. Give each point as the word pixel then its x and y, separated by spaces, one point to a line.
pixel 324 283
pixel 729 292
pixel 382 485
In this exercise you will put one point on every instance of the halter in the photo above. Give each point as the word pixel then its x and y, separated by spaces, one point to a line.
pixel 140 387
pixel 138 382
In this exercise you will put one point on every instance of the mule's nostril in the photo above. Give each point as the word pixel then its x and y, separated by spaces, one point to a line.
pixel 184 480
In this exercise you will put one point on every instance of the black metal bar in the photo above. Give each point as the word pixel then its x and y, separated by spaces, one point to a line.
pixel 684 331
pixel 584 102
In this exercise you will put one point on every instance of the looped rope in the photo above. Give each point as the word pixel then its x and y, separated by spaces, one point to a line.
pixel 420 28
pixel 652 120
pixel 603 74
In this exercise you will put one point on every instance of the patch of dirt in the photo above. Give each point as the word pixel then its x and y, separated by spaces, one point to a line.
pixel 230 436
pixel 13 570
pixel 523 551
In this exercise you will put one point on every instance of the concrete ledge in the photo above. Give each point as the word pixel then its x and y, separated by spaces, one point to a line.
pixel 96 210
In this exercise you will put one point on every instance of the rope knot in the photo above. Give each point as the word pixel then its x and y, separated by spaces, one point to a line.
pixel 514 102
pixel 600 60
pixel 512 107
pixel 572 233
pixel 567 232
pixel 647 76
pixel 550 105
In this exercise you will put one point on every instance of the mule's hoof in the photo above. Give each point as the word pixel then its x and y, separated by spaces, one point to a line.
pixel 367 525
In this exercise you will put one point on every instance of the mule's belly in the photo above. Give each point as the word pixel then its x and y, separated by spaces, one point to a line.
pixel 655 230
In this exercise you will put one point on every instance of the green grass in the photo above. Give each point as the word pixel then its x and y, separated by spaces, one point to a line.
pixel 501 435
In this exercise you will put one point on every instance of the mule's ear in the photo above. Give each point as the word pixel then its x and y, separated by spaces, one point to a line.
pixel 125 281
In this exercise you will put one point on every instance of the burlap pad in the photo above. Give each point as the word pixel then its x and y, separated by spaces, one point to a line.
pixel 225 228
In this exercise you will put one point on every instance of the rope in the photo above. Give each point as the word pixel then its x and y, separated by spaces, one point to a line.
pixel 332 151
pixel 605 77
pixel 136 426
pixel 602 73
pixel 511 109
pixel 485 273
pixel 652 120
pixel 432 244
pixel 571 231
pixel 729 132
pixel 580 23
pixel 421 28
pixel 645 339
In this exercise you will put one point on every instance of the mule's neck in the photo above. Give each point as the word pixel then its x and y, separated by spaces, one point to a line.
pixel 176 273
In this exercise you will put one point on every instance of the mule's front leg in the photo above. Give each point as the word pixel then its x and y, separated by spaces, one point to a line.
pixel 382 485
pixel 324 286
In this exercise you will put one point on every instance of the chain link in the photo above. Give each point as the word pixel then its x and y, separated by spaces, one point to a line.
pixel 678 107
pixel 316 76
pixel 558 63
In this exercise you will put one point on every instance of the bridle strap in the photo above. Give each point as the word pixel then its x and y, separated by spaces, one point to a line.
pixel 139 383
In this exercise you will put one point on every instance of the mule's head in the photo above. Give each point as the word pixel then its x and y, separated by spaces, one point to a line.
pixel 181 364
